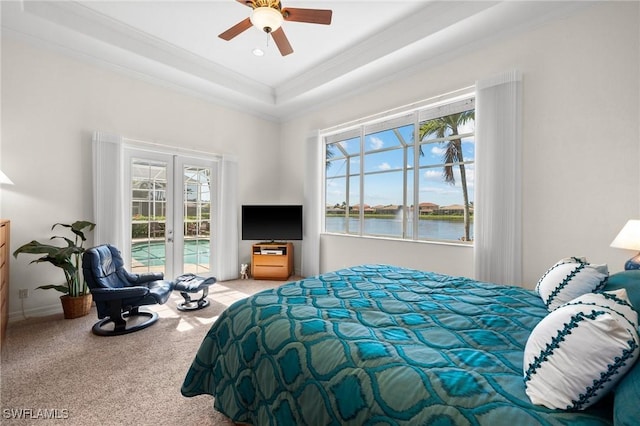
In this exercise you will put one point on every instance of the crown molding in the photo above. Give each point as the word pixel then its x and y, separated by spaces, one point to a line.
pixel 436 32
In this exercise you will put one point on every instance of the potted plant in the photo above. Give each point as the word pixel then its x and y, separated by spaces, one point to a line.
pixel 76 299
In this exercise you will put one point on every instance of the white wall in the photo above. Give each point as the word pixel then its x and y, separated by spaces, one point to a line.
pixel 581 140
pixel 52 103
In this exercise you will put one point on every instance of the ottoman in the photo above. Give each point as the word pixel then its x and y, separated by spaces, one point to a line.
pixel 188 284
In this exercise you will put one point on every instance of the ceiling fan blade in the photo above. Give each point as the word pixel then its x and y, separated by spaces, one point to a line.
pixel 246 2
pixel 282 42
pixel 236 29
pixel 312 16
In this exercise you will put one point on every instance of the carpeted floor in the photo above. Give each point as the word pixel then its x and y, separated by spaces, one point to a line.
pixel 56 367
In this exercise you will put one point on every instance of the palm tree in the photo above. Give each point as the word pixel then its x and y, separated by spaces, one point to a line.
pixel 330 153
pixel 446 127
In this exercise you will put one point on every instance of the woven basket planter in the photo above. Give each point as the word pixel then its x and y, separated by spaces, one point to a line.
pixel 76 307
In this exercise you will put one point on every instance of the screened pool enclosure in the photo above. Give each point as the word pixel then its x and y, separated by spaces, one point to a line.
pixel 171 205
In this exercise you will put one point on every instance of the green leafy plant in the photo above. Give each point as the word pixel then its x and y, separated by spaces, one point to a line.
pixel 68 257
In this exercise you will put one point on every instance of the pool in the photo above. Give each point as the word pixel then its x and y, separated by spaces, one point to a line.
pixel 152 253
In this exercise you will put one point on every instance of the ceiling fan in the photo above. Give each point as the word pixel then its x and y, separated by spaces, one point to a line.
pixel 268 15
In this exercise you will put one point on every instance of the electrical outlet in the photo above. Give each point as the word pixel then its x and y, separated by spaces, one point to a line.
pixel 23 293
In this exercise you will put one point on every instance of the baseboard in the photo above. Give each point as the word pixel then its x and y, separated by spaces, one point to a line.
pixel 35 312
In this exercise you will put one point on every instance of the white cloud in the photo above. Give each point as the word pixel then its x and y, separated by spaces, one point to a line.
pixel 471 175
pixel 433 174
pixel 436 175
pixel 375 142
pixel 384 166
pixel 438 150
pixel 439 190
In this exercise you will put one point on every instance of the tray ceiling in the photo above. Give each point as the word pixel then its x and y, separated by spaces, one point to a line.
pixel 175 43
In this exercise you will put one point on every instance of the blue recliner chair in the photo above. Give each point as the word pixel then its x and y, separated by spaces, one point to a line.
pixel 118 294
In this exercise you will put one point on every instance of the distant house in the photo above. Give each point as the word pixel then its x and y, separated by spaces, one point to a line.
pixel 426 208
pixel 334 210
pixel 388 209
pixel 366 207
pixel 453 209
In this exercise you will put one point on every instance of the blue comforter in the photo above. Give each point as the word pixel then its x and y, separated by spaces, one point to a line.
pixel 376 345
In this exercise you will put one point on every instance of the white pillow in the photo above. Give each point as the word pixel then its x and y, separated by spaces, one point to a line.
pixel 578 352
pixel 560 262
pixel 569 278
pixel 616 300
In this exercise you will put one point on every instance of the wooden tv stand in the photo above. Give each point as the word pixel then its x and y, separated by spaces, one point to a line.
pixel 278 265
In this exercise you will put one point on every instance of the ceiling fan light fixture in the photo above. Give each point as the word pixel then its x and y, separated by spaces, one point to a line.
pixel 266 19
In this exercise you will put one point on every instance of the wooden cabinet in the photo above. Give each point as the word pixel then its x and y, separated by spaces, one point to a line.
pixel 272 261
pixel 4 278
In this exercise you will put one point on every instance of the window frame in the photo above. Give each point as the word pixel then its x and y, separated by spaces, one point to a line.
pixel 383 122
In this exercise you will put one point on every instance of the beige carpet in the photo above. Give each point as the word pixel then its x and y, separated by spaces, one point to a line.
pixel 58 365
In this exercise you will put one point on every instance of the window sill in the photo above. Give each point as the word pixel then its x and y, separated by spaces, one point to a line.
pixel 374 237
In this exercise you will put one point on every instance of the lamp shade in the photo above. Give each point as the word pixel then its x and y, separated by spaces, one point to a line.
pixel 266 18
pixel 4 179
pixel 629 236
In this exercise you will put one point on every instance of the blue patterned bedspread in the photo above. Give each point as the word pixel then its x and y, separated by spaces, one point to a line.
pixel 376 345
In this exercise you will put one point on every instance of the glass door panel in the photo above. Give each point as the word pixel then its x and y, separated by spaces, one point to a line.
pixel 196 208
pixel 149 211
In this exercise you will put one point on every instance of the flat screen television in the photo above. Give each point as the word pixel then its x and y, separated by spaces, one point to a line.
pixel 272 222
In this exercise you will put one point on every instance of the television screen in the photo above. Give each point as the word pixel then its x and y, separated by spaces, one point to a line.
pixel 272 222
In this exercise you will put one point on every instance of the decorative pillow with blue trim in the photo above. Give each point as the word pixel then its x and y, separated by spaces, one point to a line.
pixel 569 278
pixel 578 352
pixel 626 409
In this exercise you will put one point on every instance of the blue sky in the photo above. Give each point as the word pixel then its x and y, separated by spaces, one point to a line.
pixel 386 188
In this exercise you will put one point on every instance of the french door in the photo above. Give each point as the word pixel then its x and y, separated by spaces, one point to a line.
pixel 171 200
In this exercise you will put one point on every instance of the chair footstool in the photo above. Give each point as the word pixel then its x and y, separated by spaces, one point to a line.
pixel 188 284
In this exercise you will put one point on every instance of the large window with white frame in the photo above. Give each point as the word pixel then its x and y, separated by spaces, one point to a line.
pixel 407 176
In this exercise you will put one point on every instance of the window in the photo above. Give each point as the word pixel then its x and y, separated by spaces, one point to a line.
pixel 380 182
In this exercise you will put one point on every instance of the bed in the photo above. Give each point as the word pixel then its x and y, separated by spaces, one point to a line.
pixel 378 345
